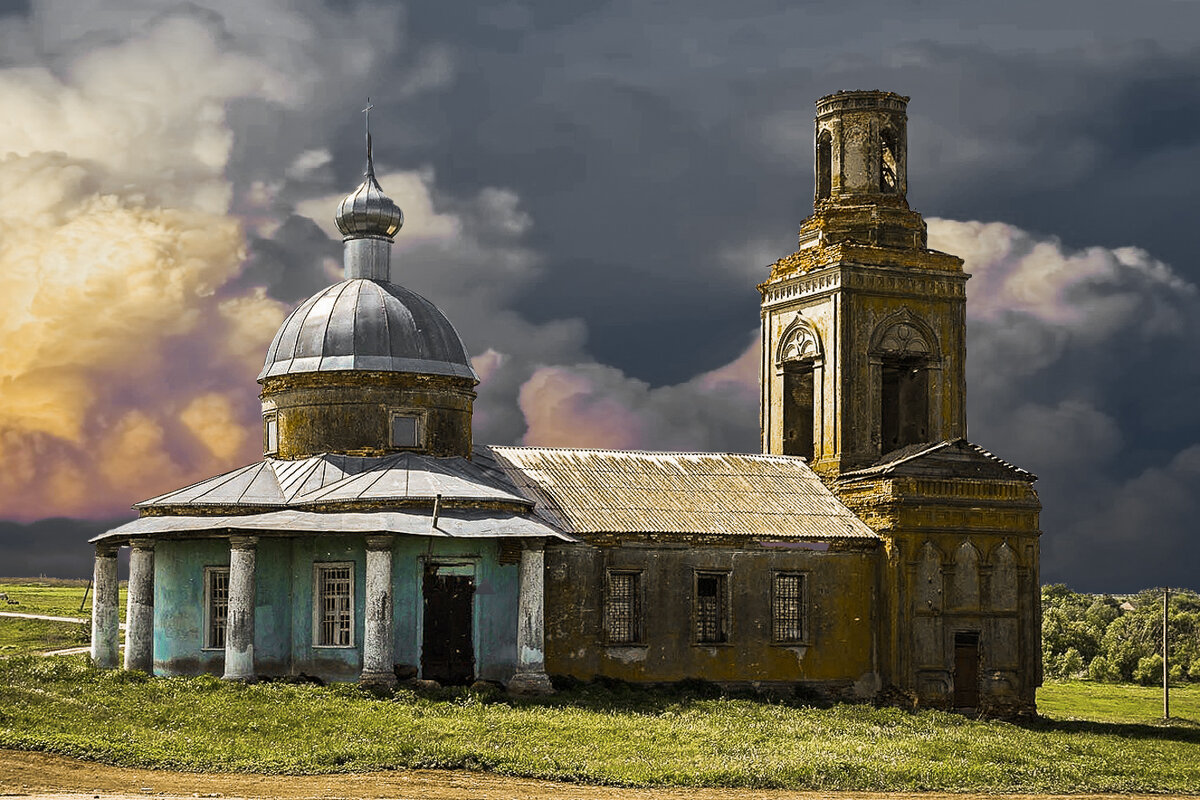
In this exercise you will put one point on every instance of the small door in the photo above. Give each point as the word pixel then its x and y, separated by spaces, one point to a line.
pixel 448 649
pixel 966 669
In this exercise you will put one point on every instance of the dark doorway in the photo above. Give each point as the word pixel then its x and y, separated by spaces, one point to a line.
pixel 798 410
pixel 448 649
pixel 966 669
pixel 904 406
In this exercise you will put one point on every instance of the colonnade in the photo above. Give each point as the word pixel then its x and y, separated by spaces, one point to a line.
pixel 378 639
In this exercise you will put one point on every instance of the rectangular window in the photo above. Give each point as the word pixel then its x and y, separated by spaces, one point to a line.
pixel 270 434
pixel 406 430
pixel 333 611
pixel 622 609
pixel 712 607
pixel 787 607
pixel 216 606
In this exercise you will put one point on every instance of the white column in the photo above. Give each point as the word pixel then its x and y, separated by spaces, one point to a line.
pixel 239 625
pixel 378 659
pixel 105 599
pixel 531 675
pixel 139 610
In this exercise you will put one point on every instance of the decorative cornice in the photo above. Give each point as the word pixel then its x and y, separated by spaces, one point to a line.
pixel 941 284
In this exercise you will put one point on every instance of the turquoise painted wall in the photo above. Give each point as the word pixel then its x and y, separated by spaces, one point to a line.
pixel 283 636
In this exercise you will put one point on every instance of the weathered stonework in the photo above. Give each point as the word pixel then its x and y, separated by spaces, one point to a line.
pixel 863 366
pixel 350 412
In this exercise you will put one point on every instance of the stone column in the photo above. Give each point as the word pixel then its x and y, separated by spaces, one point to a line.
pixel 531 675
pixel 239 625
pixel 378 658
pixel 105 598
pixel 139 610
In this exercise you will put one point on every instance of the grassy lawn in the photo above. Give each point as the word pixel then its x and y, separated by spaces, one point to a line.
pixel 594 734
pixel 54 597
pixel 20 636
pixel 1123 703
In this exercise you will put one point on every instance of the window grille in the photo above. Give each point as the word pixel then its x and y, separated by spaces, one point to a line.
pixel 622 615
pixel 711 604
pixel 335 603
pixel 787 608
pixel 217 590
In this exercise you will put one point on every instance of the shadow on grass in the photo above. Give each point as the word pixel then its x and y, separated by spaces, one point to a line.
pixel 1176 730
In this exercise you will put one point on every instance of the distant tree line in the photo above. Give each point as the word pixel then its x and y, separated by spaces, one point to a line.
pixel 1119 637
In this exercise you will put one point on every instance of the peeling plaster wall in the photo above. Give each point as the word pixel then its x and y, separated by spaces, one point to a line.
pixel 283 635
pixel 838 654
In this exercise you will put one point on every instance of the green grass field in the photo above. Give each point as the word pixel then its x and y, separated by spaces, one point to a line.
pixel 53 597
pixel 1094 739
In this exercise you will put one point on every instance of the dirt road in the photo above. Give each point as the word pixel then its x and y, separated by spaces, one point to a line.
pixel 38 775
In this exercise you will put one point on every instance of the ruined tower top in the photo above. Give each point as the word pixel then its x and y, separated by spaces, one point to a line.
pixel 861 149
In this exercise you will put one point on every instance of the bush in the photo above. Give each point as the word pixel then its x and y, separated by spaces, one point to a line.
pixel 1149 670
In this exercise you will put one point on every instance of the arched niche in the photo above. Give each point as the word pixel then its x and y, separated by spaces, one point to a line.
pixel 929 579
pixel 1002 592
pixel 889 161
pixel 905 350
pixel 965 594
pixel 824 169
pixel 798 359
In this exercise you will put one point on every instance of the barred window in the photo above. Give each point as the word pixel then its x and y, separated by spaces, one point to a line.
pixel 622 610
pixel 334 605
pixel 712 604
pixel 787 607
pixel 216 606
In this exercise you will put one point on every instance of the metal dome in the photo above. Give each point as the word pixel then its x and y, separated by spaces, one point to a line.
pixel 367 211
pixel 371 325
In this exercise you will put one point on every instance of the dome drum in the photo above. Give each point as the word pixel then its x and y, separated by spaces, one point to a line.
pixel 368 414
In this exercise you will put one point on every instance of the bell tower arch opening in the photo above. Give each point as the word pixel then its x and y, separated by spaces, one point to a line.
pixel 904 350
pixel 798 362
pixel 824 168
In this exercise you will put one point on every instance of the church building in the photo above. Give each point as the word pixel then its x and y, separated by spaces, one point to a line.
pixel 870 552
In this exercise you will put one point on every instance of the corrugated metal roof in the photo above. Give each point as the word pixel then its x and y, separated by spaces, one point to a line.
pixel 341 479
pixel 611 491
pixel 452 523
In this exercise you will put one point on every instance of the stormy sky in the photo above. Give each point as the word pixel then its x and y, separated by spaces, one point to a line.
pixel 592 191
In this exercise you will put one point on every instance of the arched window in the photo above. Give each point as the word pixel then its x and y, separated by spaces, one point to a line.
pixel 824 165
pixel 906 348
pixel 888 183
pixel 799 348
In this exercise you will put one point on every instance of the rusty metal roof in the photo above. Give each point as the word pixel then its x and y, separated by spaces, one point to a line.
pixel 613 491
pixel 347 481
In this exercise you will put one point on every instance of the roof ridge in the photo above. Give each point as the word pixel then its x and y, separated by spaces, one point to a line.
pixel 648 452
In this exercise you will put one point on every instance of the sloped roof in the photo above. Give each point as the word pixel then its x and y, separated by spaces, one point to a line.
pixel 452 523
pixel 613 491
pixel 955 458
pixel 329 479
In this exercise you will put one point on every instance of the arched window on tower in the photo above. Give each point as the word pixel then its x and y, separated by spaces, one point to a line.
pixel 905 351
pixel 888 184
pixel 799 349
pixel 824 165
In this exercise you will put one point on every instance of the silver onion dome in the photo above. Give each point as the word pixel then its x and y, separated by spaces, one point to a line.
pixel 362 324
pixel 367 211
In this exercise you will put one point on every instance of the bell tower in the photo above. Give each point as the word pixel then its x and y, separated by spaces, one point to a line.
pixel 863 327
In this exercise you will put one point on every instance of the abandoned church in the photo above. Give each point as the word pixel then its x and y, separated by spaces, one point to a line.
pixel 870 551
